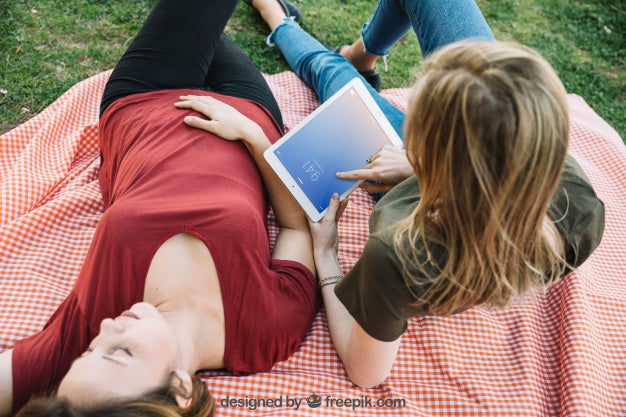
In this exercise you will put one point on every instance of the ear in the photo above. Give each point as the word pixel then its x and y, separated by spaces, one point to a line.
pixel 182 387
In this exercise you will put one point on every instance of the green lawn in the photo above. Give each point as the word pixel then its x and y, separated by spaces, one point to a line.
pixel 46 46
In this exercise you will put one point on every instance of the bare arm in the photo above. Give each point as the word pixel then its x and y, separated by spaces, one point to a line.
pixel 367 361
pixel 6 383
pixel 294 238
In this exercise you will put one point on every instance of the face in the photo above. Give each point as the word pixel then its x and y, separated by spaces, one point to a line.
pixel 134 353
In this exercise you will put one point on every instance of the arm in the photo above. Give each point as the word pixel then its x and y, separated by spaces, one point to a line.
pixel 389 166
pixel 294 238
pixel 367 360
pixel 6 383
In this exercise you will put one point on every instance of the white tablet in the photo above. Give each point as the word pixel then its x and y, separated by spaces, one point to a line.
pixel 340 135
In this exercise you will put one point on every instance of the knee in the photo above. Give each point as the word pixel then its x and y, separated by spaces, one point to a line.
pixel 326 72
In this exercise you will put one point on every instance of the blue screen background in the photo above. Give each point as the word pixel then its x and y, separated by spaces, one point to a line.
pixel 340 138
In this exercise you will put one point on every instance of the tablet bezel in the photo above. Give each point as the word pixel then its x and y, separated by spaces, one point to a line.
pixel 286 177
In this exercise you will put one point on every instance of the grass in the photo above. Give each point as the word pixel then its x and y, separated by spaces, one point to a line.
pixel 46 46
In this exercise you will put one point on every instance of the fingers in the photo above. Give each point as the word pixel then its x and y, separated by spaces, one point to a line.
pixel 203 106
pixel 199 123
pixel 375 188
pixel 381 152
pixel 207 99
pixel 333 208
pixel 188 101
pixel 341 209
pixel 331 212
pixel 374 157
pixel 370 171
pixel 359 174
pixel 203 100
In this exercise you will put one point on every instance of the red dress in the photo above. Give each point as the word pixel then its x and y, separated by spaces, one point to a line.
pixel 160 178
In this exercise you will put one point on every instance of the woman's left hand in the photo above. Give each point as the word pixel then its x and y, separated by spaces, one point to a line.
pixel 221 119
pixel 325 234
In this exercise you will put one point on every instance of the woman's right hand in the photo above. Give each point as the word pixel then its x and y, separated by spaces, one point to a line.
pixel 387 167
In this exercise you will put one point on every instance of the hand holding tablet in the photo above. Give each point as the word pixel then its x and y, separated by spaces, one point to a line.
pixel 339 136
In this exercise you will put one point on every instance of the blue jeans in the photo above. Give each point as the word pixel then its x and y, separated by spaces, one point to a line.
pixel 436 23
pixel 322 70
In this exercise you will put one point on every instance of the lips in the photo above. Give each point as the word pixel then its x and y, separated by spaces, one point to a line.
pixel 130 314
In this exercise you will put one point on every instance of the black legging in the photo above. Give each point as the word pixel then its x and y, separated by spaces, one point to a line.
pixel 182 45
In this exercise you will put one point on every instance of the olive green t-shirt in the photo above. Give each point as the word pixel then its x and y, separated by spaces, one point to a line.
pixel 375 292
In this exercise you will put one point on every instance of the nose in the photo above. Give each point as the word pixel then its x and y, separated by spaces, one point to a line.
pixel 112 326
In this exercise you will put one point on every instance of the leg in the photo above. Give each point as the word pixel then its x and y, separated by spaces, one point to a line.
pixel 173 49
pixel 181 46
pixel 385 27
pixel 435 22
pixel 324 71
pixel 233 73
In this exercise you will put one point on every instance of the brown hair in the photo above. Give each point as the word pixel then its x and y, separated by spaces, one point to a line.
pixel 486 133
pixel 158 403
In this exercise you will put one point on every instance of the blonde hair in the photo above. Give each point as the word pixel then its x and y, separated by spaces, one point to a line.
pixel 159 403
pixel 486 133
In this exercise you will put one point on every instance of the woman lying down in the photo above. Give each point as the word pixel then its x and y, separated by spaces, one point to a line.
pixel 180 258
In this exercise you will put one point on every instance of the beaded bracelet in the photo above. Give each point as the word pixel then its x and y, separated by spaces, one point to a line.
pixel 329 280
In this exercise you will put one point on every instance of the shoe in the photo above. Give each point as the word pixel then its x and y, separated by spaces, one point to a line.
pixel 371 76
pixel 291 10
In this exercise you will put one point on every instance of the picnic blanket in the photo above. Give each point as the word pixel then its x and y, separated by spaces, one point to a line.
pixel 562 352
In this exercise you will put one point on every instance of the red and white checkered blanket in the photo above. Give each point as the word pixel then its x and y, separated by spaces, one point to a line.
pixel 558 353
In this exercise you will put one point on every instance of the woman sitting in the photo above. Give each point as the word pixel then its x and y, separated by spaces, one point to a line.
pixel 482 207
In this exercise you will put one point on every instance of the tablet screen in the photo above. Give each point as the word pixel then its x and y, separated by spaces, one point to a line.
pixel 340 138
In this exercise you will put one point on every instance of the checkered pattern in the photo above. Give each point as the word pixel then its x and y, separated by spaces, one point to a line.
pixel 562 352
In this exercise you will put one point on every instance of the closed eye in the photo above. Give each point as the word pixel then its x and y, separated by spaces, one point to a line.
pixel 127 351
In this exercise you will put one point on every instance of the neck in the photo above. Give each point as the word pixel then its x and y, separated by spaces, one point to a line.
pixel 200 336
pixel 553 236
